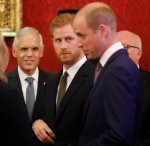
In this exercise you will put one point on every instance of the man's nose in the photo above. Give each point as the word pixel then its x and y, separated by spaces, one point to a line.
pixel 29 52
pixel 64 45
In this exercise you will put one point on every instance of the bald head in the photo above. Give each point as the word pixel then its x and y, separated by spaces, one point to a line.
pixel 133 43
pixel 96 13
pixel 90 7
pixel 129 38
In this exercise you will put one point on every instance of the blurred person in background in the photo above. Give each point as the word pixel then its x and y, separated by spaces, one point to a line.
pixel 133 43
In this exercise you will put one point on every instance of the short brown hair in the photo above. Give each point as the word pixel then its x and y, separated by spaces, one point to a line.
pixel 61 20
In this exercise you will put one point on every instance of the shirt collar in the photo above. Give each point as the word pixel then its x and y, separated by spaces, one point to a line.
pixel 23 75
pixel 74 69
pixel 111 50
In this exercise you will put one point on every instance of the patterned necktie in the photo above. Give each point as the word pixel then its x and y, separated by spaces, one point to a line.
pixel 97 71
pixel 30 96
pixel 62 89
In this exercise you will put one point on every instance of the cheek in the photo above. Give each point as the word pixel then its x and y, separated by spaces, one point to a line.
pixel 57 50
pixel 75 44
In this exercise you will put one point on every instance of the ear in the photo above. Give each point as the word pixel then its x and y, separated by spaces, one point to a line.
pixel 103 30
pixel 14 52
pixel 42 52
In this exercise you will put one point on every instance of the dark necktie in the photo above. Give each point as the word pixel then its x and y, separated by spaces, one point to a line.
pixel 62 89
pixel 30 97
pixel 97 71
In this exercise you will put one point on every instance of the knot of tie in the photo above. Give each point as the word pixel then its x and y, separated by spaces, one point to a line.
pixel 65 76
pixel 29 80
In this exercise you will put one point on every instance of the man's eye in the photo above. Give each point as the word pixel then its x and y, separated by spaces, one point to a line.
pixel 35 49
pixel 57 40
pixel 68 39
pixel 81 35
pixel 23 49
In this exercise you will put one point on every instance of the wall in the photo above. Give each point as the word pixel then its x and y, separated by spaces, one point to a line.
pixel 132 15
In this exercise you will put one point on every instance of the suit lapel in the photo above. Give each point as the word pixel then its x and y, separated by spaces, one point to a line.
pixel 74 87
pixel 51 92
pixel 104 68
pixel 40 93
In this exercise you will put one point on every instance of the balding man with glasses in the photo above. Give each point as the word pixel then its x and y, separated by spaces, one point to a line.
pixel 132 42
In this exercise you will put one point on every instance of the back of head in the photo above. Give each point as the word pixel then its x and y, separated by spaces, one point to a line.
pixel 25 31
pixel 97 13
pixel 4 57
pixel 129 38
pixel 61 20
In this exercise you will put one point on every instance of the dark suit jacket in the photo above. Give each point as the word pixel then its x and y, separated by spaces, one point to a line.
pixel 14 80
pixel 144 125
pixel 14 121
pixel 66 124
pixel 111 114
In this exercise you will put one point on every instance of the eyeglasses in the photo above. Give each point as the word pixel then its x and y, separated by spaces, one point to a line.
pixel 129 46
pixel 71 11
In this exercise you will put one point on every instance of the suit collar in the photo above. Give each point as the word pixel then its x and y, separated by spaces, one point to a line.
pixel 109 52
pixel 74 86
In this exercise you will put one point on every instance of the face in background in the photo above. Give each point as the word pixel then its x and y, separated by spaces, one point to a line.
pixel 28 52
pixel 66 45
pixel 132 43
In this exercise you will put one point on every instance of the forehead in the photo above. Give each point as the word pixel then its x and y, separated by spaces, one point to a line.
pixel 29 39
pixel 64 31
pixel 79 23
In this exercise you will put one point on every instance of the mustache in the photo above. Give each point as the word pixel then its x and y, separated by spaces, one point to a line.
pixel 64 52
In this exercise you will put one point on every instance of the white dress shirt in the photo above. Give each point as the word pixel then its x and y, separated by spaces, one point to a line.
pixel 24 83
pixel 72 72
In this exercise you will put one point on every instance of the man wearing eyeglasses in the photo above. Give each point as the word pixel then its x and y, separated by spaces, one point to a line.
pixel 132 42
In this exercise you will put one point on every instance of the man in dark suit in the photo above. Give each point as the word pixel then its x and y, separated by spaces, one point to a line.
pixel 61 125
pixel 111 114
pixel 28 49
pixel 133 44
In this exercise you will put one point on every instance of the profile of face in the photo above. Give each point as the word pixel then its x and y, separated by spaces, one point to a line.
pixel 66 45
pixel 89 39
pixel 28 52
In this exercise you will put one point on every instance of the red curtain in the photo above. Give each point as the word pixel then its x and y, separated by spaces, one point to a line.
pixel 132 15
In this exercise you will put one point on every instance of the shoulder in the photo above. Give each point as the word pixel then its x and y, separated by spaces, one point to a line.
pixel 7 90
pixel 44 74
pixel 12 73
